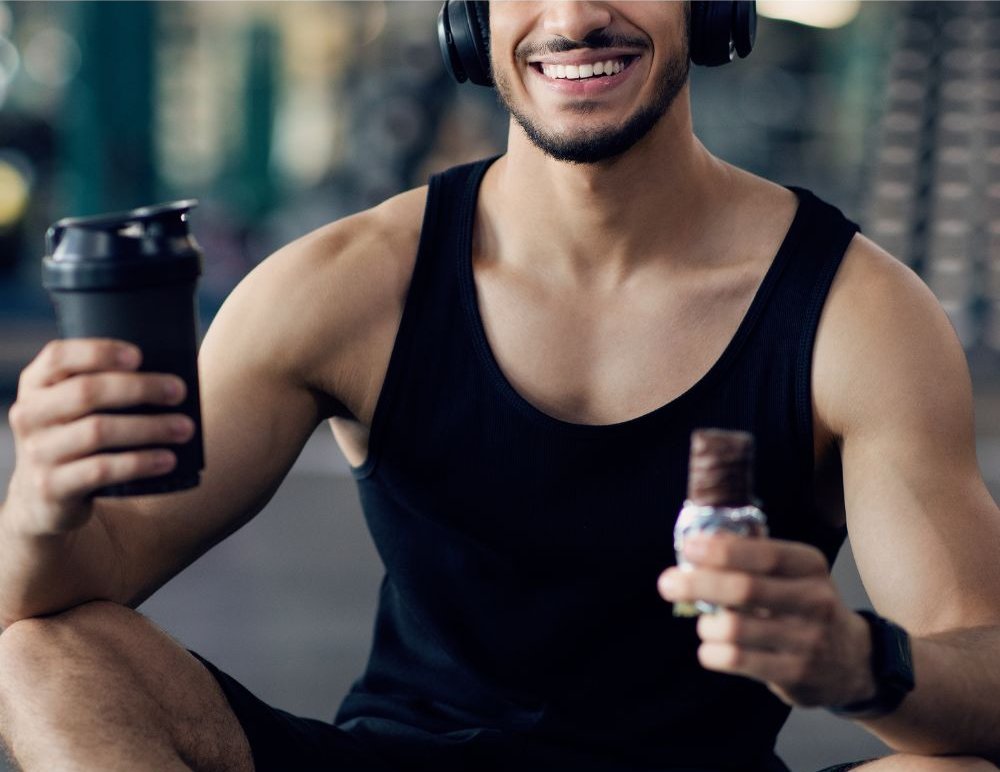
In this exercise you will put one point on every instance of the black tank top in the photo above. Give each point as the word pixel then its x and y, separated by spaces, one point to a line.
pixel 519 625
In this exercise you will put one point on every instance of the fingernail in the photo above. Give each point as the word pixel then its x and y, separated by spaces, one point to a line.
pixel 129 356
pixel 173 390
pixel 181 427
pixel 163 461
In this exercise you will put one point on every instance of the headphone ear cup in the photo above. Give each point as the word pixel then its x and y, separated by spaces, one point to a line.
pixel 463 34
pixel 696 32
pixel 720 28
pixel 481 14
pixel 449 53
pixel 745 29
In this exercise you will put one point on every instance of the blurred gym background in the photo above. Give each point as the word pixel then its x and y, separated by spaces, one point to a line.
pixel 281 116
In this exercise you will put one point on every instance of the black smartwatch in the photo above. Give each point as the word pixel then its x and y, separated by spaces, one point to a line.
pixel 892 666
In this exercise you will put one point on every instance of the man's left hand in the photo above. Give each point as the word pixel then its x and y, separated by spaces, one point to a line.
pixel 781 619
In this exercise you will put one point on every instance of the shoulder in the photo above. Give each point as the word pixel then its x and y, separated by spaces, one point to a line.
pixel 885 349
pixel 369 252
pixel 320 299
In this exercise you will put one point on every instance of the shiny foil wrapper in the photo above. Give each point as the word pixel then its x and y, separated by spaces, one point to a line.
pixel 696 518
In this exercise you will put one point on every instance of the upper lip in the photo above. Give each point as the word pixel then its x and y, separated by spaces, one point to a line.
pixel 583 56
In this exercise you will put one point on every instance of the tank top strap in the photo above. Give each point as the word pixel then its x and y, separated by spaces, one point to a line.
pixel 449 215
pixel 810 276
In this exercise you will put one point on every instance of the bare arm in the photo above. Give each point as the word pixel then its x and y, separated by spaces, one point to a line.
pixel 892 387
pixel 287 350
pixel 923 527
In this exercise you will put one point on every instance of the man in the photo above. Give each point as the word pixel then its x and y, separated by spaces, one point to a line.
pixel 513 361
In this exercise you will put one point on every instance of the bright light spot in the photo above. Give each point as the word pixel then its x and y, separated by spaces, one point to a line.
pixel 52 57
pixel 813 13
pixel 14 191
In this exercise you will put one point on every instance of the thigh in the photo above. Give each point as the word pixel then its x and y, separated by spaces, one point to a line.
pixel 103 676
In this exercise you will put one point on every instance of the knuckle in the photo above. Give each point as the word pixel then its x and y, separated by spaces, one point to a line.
pixel 53 354
pixel 95 431
pixel 825 602
pixel 772 561
pixel 43 484
pixel 814 646
pixel 812 640
pixel 86 392
pixel 31 449
pixel 733 627
pixel 734 657
pixel 99 471
pixel 821 563
pixel 15 416
pixel 22 379
pixel 745 590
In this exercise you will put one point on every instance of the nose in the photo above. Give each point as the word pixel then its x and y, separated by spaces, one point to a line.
pixel 575 19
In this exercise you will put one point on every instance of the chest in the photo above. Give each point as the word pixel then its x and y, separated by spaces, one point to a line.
pixel 602 357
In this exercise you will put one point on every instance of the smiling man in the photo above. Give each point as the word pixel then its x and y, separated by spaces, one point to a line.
pixel 513 359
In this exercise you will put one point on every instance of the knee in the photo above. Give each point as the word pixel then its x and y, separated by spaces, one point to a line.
pixel 972 764
pixel 906 762
pixel 31 647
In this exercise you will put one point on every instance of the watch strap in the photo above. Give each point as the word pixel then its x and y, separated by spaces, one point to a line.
pixel 892 668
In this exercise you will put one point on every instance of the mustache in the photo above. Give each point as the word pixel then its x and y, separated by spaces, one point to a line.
pixel 596 40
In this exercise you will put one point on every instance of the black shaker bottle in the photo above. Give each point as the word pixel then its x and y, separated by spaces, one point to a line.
pixel 132 276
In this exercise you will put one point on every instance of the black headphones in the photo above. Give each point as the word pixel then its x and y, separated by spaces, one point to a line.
pixel 720 30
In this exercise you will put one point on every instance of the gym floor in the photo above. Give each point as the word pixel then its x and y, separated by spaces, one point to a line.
pixel 286 604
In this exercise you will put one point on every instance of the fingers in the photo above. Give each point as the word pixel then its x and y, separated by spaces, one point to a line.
pixel 807 596
pixel 756 556
pixel 803 661
pixel 764 633
pixel 80 478
pixel 69 446
pixel 60 359
pixel 82 394
pixel 101 432
pixel 769 666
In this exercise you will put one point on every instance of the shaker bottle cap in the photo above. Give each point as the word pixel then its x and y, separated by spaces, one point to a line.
pixel 145 246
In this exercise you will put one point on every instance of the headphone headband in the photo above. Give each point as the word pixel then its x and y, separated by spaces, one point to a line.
pixel 720 31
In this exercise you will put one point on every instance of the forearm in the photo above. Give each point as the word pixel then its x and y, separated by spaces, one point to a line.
pixel 954 707
pixel 46 574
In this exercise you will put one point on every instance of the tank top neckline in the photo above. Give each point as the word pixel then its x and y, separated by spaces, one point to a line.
pixel 470 300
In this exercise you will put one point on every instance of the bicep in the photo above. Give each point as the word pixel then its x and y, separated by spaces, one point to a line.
pixel 257 414
pixel 923 527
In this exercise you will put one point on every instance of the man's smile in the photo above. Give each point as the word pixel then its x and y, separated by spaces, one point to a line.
pixel 600 68
pixel 583 73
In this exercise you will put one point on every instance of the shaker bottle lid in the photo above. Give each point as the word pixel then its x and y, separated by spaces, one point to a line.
pixel 146 246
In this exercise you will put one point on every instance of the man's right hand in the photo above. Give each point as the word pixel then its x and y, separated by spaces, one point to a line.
pixel 62 439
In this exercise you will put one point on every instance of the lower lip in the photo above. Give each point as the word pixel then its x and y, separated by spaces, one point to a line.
pixel 585 88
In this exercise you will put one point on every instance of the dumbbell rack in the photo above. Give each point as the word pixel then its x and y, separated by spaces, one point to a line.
pixel 935 197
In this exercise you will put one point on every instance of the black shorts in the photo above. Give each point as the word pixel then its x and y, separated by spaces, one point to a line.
pixel 282 742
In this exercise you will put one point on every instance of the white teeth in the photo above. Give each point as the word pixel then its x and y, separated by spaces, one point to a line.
pixel 575 72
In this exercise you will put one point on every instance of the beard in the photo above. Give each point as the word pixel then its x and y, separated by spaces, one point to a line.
pixel 600 143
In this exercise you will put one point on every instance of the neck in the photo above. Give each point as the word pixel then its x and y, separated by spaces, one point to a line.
pixel 604 220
